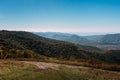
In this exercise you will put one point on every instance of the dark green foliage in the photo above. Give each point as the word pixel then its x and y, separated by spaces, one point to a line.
pixel 14 53
pixel 113 56
pixel 43 46
pixel 18 44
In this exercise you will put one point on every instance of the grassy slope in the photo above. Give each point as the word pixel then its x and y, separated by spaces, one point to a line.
pixel 15 70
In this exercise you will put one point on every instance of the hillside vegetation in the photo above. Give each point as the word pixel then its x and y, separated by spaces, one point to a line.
pixel 19 44
pixel 23 42
pixel 17 70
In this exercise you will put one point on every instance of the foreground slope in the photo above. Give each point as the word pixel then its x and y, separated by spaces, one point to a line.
pixel 17 70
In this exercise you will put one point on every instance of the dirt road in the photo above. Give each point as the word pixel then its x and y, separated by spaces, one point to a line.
pixel 55 66
pixel 44 65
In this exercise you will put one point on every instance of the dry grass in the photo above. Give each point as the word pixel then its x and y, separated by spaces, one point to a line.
pixel 20 70
pixel 88 63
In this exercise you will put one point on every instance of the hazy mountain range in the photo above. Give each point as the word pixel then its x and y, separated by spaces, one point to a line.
pixel 107 41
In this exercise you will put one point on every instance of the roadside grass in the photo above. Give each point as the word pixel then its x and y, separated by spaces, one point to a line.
pixel 81 62
pixel 17 70
pixel 87 63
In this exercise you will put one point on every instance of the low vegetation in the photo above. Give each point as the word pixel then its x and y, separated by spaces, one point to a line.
pixel 17 70
pixel 87 63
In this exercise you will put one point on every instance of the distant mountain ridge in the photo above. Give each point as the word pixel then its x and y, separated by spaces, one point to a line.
pixel 111 39
pixel 66 37
pixel 108 41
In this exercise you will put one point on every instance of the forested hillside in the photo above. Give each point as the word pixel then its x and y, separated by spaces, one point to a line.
pixel 22 41
pixel 19 44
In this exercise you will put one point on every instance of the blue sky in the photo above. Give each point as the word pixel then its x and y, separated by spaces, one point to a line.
pixel 60 15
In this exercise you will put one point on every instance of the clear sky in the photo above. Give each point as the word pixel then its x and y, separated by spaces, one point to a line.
pixel 60 15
